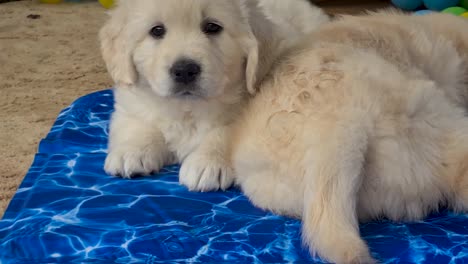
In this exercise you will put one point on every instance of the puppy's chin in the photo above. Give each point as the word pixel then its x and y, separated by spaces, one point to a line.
pixel 202 90
pixel 198 91
pixel 181 93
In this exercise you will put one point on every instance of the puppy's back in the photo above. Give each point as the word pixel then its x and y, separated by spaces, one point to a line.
pixel 433 47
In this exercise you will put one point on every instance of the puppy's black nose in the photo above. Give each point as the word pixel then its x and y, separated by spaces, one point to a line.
pixel 185 71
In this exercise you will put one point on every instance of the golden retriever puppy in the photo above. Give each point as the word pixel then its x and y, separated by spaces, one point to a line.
pixel 180 69
pixel 353 124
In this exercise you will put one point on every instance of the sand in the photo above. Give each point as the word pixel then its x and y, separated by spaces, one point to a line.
pixel 45 64
pixel 48 62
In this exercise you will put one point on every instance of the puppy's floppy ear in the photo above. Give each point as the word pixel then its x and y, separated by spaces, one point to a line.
pixel 116 47
pixel 250 46
pixel 261 41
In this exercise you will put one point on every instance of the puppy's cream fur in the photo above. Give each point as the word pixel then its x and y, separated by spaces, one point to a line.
pixel 364 119
pixel 151 126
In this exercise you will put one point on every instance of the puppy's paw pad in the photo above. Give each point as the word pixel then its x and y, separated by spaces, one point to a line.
pixel 205 174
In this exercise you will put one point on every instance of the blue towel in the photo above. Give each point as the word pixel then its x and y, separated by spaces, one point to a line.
pixel 67 210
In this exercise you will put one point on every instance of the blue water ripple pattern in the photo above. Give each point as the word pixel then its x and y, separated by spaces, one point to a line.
pixel 67 210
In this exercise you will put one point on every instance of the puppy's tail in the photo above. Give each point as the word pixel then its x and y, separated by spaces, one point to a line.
pixel 333 177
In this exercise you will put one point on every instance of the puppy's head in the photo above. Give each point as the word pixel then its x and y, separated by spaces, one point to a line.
pixel 181 48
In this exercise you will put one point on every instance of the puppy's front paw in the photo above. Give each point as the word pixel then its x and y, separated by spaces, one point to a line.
pixel 205 173
pixel 130 162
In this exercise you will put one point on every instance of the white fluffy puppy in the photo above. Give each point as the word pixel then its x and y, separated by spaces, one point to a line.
pixel 180 69
pixel 364 119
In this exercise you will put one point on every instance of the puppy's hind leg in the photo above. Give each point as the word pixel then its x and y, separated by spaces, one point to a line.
pixel 456 168
pixel 333 176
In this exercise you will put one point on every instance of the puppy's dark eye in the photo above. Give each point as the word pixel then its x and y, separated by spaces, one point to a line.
pixel 158 31
pixel 211 28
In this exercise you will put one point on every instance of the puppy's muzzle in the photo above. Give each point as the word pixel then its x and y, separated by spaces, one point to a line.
pixel 185 71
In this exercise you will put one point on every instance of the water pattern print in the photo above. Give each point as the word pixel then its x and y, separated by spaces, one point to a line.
pixel 67 210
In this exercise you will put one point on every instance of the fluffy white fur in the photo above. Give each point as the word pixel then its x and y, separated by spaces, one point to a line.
pixel 364 119
pixel 152 126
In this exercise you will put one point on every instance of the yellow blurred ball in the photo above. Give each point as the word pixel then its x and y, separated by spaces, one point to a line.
pixel 465 15
pixel 51 1
pixel 107 3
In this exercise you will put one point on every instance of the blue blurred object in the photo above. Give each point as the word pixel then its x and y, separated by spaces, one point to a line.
pixel 439 5
pixel 408 4
pixel 67 210
pixel 423 12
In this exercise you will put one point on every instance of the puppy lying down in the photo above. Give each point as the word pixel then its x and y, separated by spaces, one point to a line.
pixel 180 68
pixel 365 118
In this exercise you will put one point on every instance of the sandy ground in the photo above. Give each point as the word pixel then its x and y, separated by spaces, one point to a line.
pixel 45 64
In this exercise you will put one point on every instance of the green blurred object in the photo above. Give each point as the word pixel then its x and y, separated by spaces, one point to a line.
pixel 455 10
